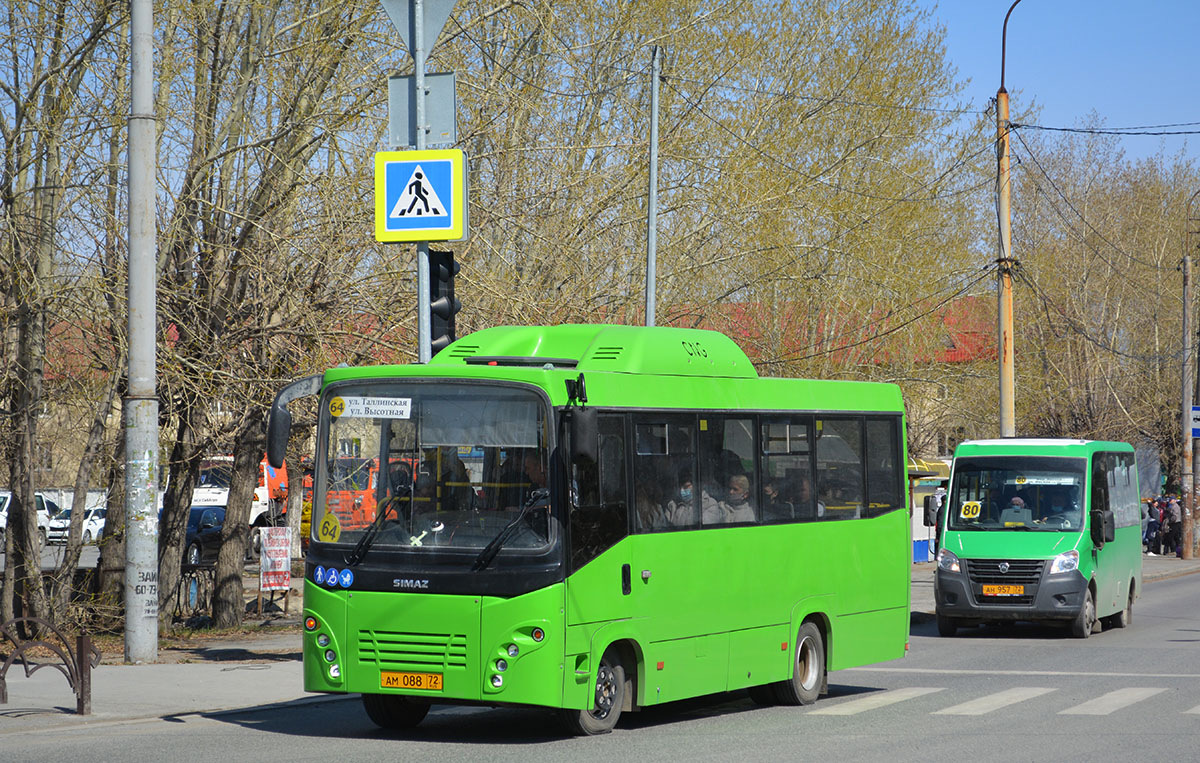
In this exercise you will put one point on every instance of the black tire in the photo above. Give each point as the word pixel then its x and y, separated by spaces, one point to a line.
pixel 192 554
pixel 42 535
pixel 808 671
pixel 395 712
pixel 946 626
pixel 87 537
pixel 1081 626
pixel 609 699
pixel 763 696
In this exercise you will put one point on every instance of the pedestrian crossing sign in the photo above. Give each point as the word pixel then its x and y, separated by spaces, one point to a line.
pixel 420 195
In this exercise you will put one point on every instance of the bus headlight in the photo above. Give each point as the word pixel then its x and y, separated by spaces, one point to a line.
pixel 946 560
pixel 1068 561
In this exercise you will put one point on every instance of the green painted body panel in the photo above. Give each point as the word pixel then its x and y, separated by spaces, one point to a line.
pixel 718 608
pixel 459 637
pixel 1111 569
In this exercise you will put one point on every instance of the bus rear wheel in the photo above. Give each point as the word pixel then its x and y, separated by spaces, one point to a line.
pixel 607 703
pixel 808 674
pixel 1124 618
pixel 393 711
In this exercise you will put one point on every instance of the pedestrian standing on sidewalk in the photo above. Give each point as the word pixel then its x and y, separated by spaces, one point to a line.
pixel 1174 538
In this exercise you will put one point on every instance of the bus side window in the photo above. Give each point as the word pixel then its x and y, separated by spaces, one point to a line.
pixel 839 451
pixel 787 494
pixel 884 479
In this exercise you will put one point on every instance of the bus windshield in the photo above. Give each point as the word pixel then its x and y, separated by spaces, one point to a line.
pixel 1017 493
pixel 426 467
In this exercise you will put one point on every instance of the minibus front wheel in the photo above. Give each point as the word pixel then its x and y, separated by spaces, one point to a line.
pixel 946 626
pixel 1081 626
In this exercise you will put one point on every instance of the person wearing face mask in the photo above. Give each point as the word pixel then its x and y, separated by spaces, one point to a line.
pixel 681 508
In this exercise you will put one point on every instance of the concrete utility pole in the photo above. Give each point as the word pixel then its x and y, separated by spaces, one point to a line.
pixel 141 403
pixel 1187 488
pixel 1185 480
pixel 652 204
pixel 1005 262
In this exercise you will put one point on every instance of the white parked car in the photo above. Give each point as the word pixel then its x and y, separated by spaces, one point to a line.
pixel 45 510
pixel 93 525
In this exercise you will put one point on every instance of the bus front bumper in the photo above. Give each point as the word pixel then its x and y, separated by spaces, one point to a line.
pixel 1054 597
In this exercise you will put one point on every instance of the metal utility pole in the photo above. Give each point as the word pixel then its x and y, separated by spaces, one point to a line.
pixel 141 403
pixel 1005 262
pixel 424 347
pixel 652 204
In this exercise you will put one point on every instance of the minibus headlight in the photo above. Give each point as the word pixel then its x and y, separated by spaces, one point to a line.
pixel 1068 561
pixel 946 560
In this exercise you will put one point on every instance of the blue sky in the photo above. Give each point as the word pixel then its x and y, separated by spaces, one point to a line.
pixel 1133 63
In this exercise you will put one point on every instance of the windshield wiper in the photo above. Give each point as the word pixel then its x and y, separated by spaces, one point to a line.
pixel 364 543
pixel 490 550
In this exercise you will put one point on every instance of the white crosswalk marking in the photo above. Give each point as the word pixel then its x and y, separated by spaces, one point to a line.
pixel 992 702
pixel 1194 711
pixel 1111 702
pixel 874 701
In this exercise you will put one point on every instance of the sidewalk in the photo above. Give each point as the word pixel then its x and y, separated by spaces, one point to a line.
pixel 255 671
pixel 1153 568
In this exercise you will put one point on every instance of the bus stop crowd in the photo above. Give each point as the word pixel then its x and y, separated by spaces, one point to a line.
pixel 1162 526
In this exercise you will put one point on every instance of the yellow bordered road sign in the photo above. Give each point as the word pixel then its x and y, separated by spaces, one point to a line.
pixel 420 195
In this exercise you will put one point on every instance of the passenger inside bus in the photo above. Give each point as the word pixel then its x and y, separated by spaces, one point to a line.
pixel 1060 508
pixel 736 506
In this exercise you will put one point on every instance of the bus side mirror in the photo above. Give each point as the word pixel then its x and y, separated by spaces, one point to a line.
pixel 279 423
pixel 585 435
pixel 931 511
pixel 1104 527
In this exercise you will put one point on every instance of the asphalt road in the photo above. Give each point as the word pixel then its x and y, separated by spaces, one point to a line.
pixel 994 693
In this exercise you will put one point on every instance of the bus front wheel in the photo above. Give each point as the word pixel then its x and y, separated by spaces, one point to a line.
pixel 607 703
pixel 808 674
pixel 393 711
pixel 1081 626
pixel 946 627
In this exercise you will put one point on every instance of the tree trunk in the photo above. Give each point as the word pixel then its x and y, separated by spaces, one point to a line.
pixel 229 598
pixel 111 567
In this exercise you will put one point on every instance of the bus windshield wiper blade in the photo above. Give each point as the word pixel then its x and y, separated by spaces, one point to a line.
pixel 364 543
pixel 490 550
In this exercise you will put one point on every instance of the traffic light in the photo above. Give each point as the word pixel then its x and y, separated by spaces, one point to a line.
pixel 442 303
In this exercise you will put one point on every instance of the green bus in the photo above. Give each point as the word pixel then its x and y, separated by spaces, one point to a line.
pixel 1042 530
pixel 597 519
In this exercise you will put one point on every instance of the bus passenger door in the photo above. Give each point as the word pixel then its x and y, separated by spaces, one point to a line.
pixel 598 580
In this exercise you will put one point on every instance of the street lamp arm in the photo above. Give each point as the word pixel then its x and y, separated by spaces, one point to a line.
pixel 1004 41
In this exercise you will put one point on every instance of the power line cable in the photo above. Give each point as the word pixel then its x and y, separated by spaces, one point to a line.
pixel 1084 220
pixel 985 271
pixel 1106 131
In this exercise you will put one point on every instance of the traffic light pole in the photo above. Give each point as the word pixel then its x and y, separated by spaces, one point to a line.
pixel 418 52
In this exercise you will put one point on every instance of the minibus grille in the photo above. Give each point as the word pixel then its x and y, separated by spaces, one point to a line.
pixel 412 650
pixel 1023 572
